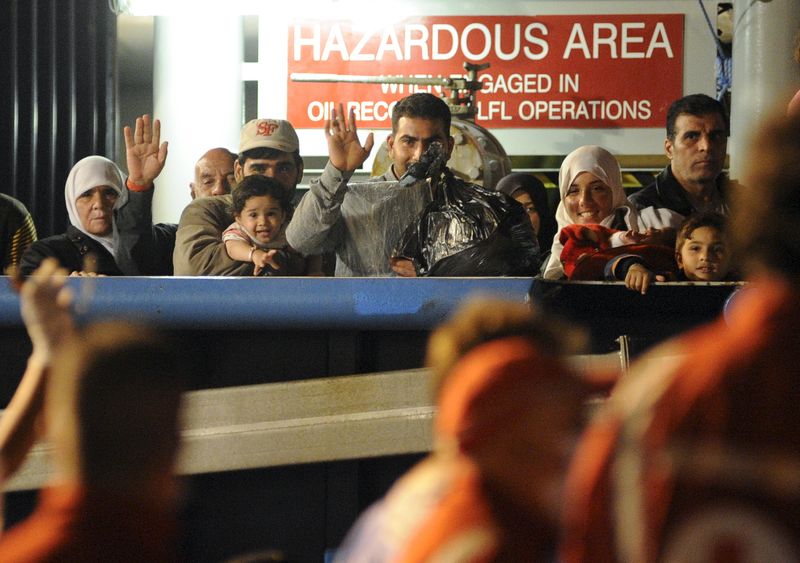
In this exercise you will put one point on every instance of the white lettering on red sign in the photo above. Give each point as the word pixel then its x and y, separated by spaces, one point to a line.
pixel 605 41
pixel 545 71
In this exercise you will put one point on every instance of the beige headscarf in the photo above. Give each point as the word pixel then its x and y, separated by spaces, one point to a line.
pixel 88 173
pixel 600 163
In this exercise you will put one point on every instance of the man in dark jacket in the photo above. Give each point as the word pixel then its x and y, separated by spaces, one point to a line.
pixel 696 143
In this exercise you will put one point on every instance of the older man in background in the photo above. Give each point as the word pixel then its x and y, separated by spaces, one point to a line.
pixel 213 174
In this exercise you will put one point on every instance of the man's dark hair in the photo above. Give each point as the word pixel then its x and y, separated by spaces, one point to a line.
pixel 422 106
pixel 268 153
pixel 257 185
pixel 697 105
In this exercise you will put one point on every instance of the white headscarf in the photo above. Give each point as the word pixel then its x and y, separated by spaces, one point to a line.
pixel 599 162
pixel 88 173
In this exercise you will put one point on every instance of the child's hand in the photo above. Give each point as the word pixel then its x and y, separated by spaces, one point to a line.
pixel 664 237
pixel 264 258
pixel 403 267
pixel 632 237
pixel 639 278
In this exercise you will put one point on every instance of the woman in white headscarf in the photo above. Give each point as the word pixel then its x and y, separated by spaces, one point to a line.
pixel 93 187
pixel 590 185
pixel 110 218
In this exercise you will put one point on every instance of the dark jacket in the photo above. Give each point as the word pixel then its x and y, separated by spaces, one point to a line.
pixel 666 192
pixel 70 249
pixel 17 231
pixel 142 249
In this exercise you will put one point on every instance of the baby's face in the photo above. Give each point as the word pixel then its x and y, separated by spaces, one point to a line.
pixel 263 217
pixel 704 255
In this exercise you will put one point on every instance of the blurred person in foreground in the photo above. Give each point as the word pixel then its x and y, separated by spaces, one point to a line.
pixel 508 414
pixel 695 455
pixel 109 396
pixel 794 104
pixel 44 306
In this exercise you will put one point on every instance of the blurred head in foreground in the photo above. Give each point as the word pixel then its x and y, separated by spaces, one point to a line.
pixel 112 409
pixel 765 215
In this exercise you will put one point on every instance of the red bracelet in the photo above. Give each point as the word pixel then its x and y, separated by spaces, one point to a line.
pixel 136 187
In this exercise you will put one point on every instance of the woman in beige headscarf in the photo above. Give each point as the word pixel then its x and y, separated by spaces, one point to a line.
pixel 111 218
pixel 590 184
pixel 92 189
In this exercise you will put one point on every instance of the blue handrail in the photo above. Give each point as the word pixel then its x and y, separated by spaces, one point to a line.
pixel 275 303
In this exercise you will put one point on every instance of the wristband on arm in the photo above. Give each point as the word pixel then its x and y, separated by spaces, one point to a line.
pixel 136 187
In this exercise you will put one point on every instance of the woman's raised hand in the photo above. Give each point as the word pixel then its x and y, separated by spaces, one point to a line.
pixel 146 157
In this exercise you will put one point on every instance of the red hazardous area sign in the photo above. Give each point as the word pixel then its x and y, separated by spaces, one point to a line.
pixel 587 71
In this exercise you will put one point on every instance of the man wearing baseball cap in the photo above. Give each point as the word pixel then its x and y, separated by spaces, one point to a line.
pixel 268 147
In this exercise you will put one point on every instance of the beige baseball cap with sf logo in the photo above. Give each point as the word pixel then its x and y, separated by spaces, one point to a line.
pixel 268 133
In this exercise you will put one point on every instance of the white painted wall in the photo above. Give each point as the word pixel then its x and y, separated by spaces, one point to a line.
pixel 197 88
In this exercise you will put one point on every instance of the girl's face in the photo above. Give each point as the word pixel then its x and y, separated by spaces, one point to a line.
pixel 704 255
pixel 530 208
pixel 263 217
pixel 95 209
pixel 588 200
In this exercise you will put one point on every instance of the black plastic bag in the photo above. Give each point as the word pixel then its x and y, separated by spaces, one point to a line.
pixel 470 231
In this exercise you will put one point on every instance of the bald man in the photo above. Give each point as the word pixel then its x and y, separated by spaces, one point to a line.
pixel 213 173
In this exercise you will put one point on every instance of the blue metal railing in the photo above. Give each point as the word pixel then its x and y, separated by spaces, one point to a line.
pixel 275 303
